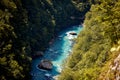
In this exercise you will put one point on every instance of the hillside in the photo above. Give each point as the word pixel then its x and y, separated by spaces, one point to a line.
pixel 48 17
pixel 96 52
pixel 28 26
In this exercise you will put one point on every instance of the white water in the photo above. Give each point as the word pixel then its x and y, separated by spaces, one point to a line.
pixel 57 53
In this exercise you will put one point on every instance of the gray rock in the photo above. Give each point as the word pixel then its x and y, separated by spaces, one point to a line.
pixel 45 64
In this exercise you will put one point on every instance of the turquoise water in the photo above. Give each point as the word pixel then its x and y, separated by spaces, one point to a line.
pixel 57 53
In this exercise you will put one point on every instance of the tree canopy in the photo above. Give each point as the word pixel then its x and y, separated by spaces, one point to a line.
pixel 91 55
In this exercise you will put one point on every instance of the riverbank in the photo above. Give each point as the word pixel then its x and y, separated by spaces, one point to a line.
pixel 57 53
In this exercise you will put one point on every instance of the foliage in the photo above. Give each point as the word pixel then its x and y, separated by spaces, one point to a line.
pixel 92 49
pixel 12 64
pixel 28 26
pixel 47 18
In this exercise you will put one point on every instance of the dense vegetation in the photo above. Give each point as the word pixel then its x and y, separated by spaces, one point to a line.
pixel 91 57
pixel 14 63
pixel 48 17
pixel 27 26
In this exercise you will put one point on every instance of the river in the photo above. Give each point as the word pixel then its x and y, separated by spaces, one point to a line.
pixel 57 52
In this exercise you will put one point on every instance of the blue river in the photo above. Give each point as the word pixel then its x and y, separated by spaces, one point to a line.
pixel 57 52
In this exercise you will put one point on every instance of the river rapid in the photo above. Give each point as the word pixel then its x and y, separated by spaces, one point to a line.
pixel 57 52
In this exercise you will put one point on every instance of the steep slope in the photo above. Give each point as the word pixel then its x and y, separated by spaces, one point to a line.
pixel 48 17
pixel 91 55
pixel 27 26
pixel 14 64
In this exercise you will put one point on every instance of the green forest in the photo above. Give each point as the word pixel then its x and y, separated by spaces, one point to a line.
pixel 93 52
pixel 27 26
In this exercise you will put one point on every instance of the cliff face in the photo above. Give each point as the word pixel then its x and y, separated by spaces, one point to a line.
pixel 112 66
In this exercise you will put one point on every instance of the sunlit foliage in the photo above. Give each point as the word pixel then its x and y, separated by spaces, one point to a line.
pixel 91 53
pixel 27 26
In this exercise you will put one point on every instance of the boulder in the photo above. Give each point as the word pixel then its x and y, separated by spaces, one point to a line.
pixel 45 64
pixel 73 33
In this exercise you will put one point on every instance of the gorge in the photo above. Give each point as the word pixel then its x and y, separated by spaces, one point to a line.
pixel 32 28
pixel 58 51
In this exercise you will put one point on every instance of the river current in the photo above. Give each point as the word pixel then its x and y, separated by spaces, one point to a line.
pixel 57 52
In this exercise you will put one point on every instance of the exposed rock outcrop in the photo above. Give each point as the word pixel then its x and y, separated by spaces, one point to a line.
pixel 73 33
pixel 45 64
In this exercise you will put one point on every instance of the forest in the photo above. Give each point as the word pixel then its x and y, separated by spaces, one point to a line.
pixel 28 26
pixel 97 46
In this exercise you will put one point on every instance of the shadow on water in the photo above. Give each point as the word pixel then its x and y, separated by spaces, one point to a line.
pixel 57 53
